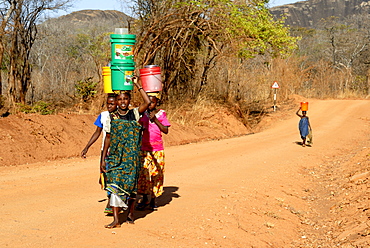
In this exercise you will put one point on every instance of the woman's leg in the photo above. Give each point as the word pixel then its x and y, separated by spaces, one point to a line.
pixel 152 203
pixel 143 203
pixel 115 223
pixel 157 178
pixel 144 200
pixel 131 206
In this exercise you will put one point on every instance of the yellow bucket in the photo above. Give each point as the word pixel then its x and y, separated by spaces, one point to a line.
pixel 107 80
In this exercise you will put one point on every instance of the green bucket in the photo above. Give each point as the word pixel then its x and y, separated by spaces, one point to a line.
pixel 122 77
pixel 122 48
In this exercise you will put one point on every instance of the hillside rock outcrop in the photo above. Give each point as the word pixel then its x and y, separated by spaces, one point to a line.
pixel 309 13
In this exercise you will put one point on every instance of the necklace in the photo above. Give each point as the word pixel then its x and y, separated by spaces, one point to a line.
pixel 122 114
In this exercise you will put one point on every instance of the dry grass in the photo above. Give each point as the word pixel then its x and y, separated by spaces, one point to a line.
pixel 191 112
pixel 243 86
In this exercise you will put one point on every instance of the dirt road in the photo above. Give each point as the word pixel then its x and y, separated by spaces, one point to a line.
pixel 249 191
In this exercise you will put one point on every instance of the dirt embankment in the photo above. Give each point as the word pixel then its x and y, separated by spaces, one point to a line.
pixel 340 200
pixel 30 138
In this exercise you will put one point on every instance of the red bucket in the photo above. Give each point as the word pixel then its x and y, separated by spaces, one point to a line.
pixel 151 79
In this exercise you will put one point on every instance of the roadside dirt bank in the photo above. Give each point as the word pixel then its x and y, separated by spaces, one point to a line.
pixel 30 138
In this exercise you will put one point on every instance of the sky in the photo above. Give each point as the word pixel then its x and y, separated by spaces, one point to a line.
pixel 121 6
pixel 274 3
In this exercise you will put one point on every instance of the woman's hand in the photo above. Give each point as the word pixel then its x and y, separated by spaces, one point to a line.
pixel 83 153
pixel 135 80
pixel 103 167
pixel 152 116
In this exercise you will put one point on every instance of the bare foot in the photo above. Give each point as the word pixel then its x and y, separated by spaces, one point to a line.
pixel 113 225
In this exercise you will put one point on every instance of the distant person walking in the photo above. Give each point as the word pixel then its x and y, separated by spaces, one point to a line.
pixel 154 122
pixel 123 163
pixel 304 126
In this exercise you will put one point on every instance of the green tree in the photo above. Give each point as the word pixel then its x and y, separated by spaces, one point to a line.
pixel 187 38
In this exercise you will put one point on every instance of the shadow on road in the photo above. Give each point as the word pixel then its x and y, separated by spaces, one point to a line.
pixel 167 196
pixel 300 143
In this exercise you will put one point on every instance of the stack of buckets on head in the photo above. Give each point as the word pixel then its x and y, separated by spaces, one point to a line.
pixel 119 75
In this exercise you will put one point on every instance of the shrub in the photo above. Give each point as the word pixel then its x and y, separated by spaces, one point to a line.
pixel 86 89
pixel 39 107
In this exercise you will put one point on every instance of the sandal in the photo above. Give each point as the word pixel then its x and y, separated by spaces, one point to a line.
pixel 152 205
pixel 141 206
pixel 130 220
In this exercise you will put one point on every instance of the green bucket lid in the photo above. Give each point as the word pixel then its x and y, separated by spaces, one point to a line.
pixel 123 36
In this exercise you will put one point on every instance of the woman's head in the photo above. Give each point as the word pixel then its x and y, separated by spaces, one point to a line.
pixel 153 102
pixel 304 112
pixel 111 102
pixel 123 100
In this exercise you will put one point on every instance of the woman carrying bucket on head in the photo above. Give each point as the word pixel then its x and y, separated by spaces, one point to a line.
pixel 151 176
pixel 304 123
pixel 123 163
pixel 154 123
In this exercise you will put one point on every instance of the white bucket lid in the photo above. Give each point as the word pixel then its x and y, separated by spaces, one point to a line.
pixel 150 66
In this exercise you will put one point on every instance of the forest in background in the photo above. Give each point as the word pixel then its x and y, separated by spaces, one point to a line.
pixel 211 53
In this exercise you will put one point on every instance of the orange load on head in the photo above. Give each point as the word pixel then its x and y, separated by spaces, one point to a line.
pixel 304 106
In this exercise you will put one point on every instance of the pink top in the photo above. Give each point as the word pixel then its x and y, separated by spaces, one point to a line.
pixel 152 135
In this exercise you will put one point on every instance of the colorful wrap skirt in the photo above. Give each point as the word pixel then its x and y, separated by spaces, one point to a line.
pixel 152 173
pixel 123 163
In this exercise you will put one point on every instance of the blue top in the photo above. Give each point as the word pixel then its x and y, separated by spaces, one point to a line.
pixel 98 122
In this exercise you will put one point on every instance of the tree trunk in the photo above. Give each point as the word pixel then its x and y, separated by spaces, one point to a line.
pixel 368 82
pixel 1 62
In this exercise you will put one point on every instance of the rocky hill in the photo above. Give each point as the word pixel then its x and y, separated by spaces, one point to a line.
pixel 304 13
pixel 308 13
pixel 87 16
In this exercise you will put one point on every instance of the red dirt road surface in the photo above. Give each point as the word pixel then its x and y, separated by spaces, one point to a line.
pixel 250 191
